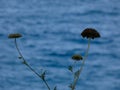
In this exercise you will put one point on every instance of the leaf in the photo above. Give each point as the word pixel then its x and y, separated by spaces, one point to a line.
pixel 43 75
pixel 71 86
pixel 55 88
pixel 24 62
pixel 77 73
pixel 19 57
pixel 70 68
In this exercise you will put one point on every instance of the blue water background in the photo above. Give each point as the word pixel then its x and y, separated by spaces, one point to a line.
pixel 51 35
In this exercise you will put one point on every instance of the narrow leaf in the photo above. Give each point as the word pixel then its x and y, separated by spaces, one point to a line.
pixel 70 68
pixel 55 88
pixel 77 73
pixel 43 75
pixel 19 57
pixel 71 86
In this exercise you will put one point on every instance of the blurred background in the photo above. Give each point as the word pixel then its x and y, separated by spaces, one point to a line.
pixel 51 35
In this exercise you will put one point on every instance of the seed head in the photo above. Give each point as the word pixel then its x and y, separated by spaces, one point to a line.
pixel 77 57
pixel 90 33
pixel 14 35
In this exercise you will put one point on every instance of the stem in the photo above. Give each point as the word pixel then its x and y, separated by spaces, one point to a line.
pixel 86 54
pixel 25 62
pixel 77 77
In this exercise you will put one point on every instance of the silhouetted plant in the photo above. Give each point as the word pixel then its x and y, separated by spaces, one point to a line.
pixel 88 33
pixel 24 61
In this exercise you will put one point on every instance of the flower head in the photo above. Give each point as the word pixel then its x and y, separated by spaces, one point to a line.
pixel 90 33
pixel 14 35
pixel 77 57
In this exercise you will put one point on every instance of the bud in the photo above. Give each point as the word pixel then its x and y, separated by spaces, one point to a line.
pixel 15 35
pixel 77 57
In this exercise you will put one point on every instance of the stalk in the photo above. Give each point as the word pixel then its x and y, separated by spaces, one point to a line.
pixel 25 63
pixel 81 68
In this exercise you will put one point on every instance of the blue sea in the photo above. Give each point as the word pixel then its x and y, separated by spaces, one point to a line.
pixel 51 35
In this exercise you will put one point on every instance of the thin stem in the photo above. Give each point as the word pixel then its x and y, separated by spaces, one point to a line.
pixel 25 62
pixel 86 54
pixel 79 71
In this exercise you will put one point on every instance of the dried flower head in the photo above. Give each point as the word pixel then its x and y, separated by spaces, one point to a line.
pixel 90 33
pixel 15 35
pixel 77 57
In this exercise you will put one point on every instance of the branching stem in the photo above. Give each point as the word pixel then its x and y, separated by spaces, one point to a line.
pixel 80 69
pixel 25 63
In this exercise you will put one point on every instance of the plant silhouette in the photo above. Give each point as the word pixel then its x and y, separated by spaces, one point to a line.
pixel 89 33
